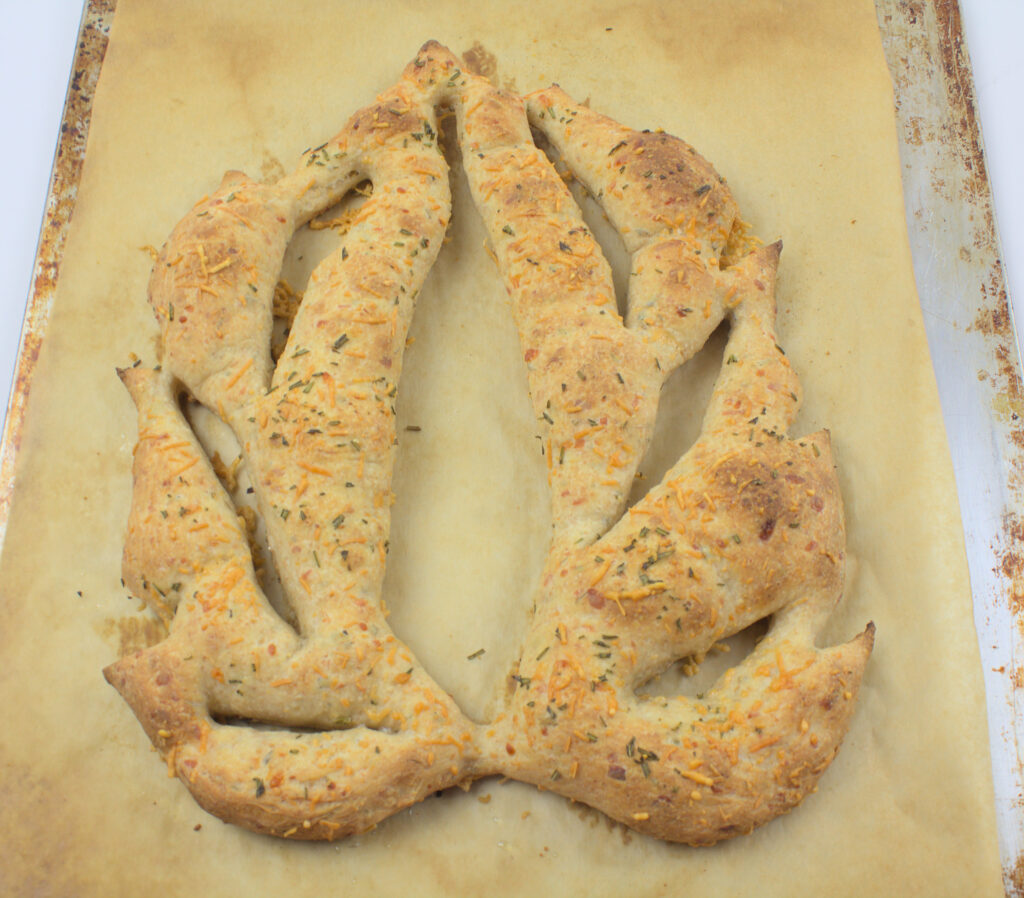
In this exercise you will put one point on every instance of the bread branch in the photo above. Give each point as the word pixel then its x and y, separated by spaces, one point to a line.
pixel 746 525
pixel 317 434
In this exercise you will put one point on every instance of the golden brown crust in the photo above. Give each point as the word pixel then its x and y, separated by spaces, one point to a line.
pixel 325 728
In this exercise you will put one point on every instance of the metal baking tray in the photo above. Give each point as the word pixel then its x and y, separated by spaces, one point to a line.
pixel 967 315
pixel 968 320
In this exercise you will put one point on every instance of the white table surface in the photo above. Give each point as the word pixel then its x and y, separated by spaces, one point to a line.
pixel 39 50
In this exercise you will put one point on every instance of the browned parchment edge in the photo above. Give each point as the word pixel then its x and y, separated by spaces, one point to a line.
pixel 93 34
pixel 949 202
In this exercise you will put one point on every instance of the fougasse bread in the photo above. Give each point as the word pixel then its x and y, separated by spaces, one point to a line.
pixel 323 725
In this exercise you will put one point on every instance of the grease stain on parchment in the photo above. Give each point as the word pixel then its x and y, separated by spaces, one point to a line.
pixel 132 633
pixel 481 61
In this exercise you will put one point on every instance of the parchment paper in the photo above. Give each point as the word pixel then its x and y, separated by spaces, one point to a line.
pixel 792 104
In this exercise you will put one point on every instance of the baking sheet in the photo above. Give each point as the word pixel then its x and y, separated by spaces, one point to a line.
pixel 772 206
pixel 968 319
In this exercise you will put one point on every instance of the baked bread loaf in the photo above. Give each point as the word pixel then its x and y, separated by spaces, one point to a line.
pixel 322 726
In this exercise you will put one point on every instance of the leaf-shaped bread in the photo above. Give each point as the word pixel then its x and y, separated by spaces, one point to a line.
pixel 324 728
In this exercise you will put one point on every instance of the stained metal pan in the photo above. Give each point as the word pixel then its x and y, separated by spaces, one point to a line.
pixel 968 320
